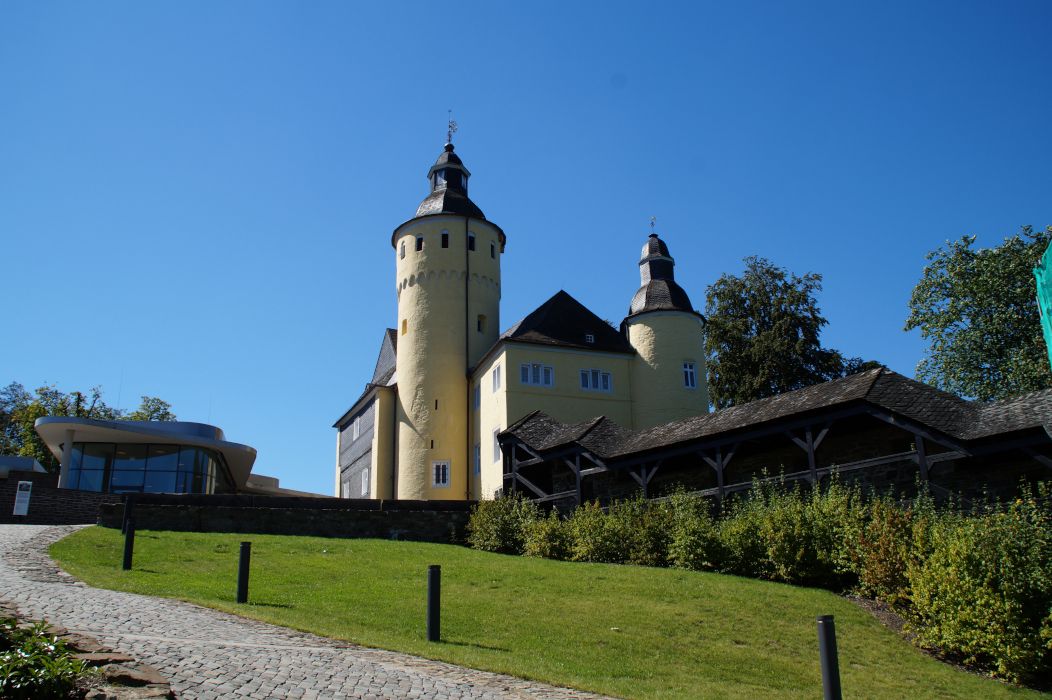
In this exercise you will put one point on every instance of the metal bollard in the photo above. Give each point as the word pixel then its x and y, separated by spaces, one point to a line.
pixel 434 602
pixel 830 664
pixel 129 544
pixel 242 572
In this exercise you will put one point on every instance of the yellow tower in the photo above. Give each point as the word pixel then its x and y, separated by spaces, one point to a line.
pixel 668 374
pixel 447 272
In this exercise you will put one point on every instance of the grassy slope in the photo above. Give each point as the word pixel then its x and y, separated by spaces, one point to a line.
pixel 678 634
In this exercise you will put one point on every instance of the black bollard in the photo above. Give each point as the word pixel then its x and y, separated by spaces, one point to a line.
pixel 129 511
pixel 830 664
pixel 434 602
pixel 129 544
pixel 242 572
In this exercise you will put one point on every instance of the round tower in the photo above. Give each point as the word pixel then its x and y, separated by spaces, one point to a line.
pixel 447 276
pixel 668 374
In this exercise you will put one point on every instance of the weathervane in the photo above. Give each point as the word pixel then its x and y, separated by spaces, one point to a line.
pixel 653 220
pixel 452 128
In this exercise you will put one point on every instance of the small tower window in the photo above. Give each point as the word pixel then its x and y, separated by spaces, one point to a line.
pixel 471 241
pixel 445 239
pixel 402 253
pixel 480 323
pixel 440 178
pixel 690 375
pixel 419 242
pixel 440 474
pixel 493 250
pixel 405 325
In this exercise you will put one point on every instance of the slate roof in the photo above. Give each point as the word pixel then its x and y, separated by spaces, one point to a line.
pixel 563 321
pixel 660 295
pixel 447 200
pixel 383 374
pixel 882 388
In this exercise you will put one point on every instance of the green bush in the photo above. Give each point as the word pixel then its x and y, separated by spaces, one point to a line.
pixel 985 591
pixel 35 665
pixel 548 538
pixel 694 540
pixel 882 549
pixel 594 536
pixel 644 530
pixel 739 531
pixel 500 525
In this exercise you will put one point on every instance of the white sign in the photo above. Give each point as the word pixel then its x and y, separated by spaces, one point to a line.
pixel 22 497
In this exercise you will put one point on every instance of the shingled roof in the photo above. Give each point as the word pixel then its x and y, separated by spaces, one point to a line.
pixel 564 321
pixel 937 410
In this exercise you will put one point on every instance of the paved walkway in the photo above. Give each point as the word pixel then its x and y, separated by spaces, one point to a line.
pixel 208 654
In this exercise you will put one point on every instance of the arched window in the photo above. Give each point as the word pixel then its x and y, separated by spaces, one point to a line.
pixel 419 242
pixel 402 253
pixel 471 241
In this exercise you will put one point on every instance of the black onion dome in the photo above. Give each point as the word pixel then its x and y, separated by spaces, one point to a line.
pixel 449 188
pixel 659 290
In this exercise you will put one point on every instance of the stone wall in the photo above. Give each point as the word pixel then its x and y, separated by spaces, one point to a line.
pixel 424 521
pixel 49 505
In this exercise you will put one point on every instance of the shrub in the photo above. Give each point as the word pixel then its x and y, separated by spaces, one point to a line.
pixel 594 536
pixel 644 530
pixel 739 531
pixel 694 541
pixel 985 591
pixel 882 550
pixel 500 525
pixel 35 665
pixel 548 538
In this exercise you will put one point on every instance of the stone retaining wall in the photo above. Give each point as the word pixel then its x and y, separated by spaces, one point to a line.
pixel 404 520
pixel 49 505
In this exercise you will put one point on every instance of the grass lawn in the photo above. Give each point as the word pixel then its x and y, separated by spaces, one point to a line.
pixel 627 631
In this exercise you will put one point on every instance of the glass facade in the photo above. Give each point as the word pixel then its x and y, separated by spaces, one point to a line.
pixel 140 468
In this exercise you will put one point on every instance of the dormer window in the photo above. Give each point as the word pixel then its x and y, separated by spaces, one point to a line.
pixel 440 179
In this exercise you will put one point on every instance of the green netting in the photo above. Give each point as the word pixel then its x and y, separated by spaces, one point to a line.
pixel 1043 275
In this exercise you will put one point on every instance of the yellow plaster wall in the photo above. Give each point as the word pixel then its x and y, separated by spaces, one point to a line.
pixel 565 400
pixel 664 341
pixel 380 485
pixel 438 341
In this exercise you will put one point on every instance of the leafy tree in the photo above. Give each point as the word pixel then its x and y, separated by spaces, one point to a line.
pixel 762 335
pixel 152 408
pixel 977 308
pixel 20 409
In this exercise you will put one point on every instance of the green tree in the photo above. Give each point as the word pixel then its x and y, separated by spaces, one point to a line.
pixel 762 335
pixel 19 411
pixel 152 408
pixel 977 309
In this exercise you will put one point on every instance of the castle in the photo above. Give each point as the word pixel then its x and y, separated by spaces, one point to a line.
pixel 447 382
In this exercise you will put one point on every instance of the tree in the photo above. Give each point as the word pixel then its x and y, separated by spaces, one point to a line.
pixel 977 309
pixel 762 335
pixel 152 408
pixel 19 411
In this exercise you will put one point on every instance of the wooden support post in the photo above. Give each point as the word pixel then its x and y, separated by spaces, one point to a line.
pixel 811 456
pixel 922 459
pixel 514 471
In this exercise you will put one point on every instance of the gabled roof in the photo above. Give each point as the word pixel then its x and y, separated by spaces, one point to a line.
pixel 925 405
pixel 563 321
pixel 384 375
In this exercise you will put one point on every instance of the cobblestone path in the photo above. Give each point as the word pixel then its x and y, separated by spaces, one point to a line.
pixel 208 654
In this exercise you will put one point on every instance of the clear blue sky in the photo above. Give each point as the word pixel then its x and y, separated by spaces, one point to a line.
pixel 196 198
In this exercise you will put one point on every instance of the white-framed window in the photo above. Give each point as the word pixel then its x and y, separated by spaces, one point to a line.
pixel 690 375
pixel 478 396
pixel 596 380
pixel 536 374
pixel 356 428
pixel 365 482
pixel 589 337
pixel 478 458
pixel 496 445
pixel 496 378
pixel 440 473
pixel 346 488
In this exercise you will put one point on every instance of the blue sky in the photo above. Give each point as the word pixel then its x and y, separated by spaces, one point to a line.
pixel 196 198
